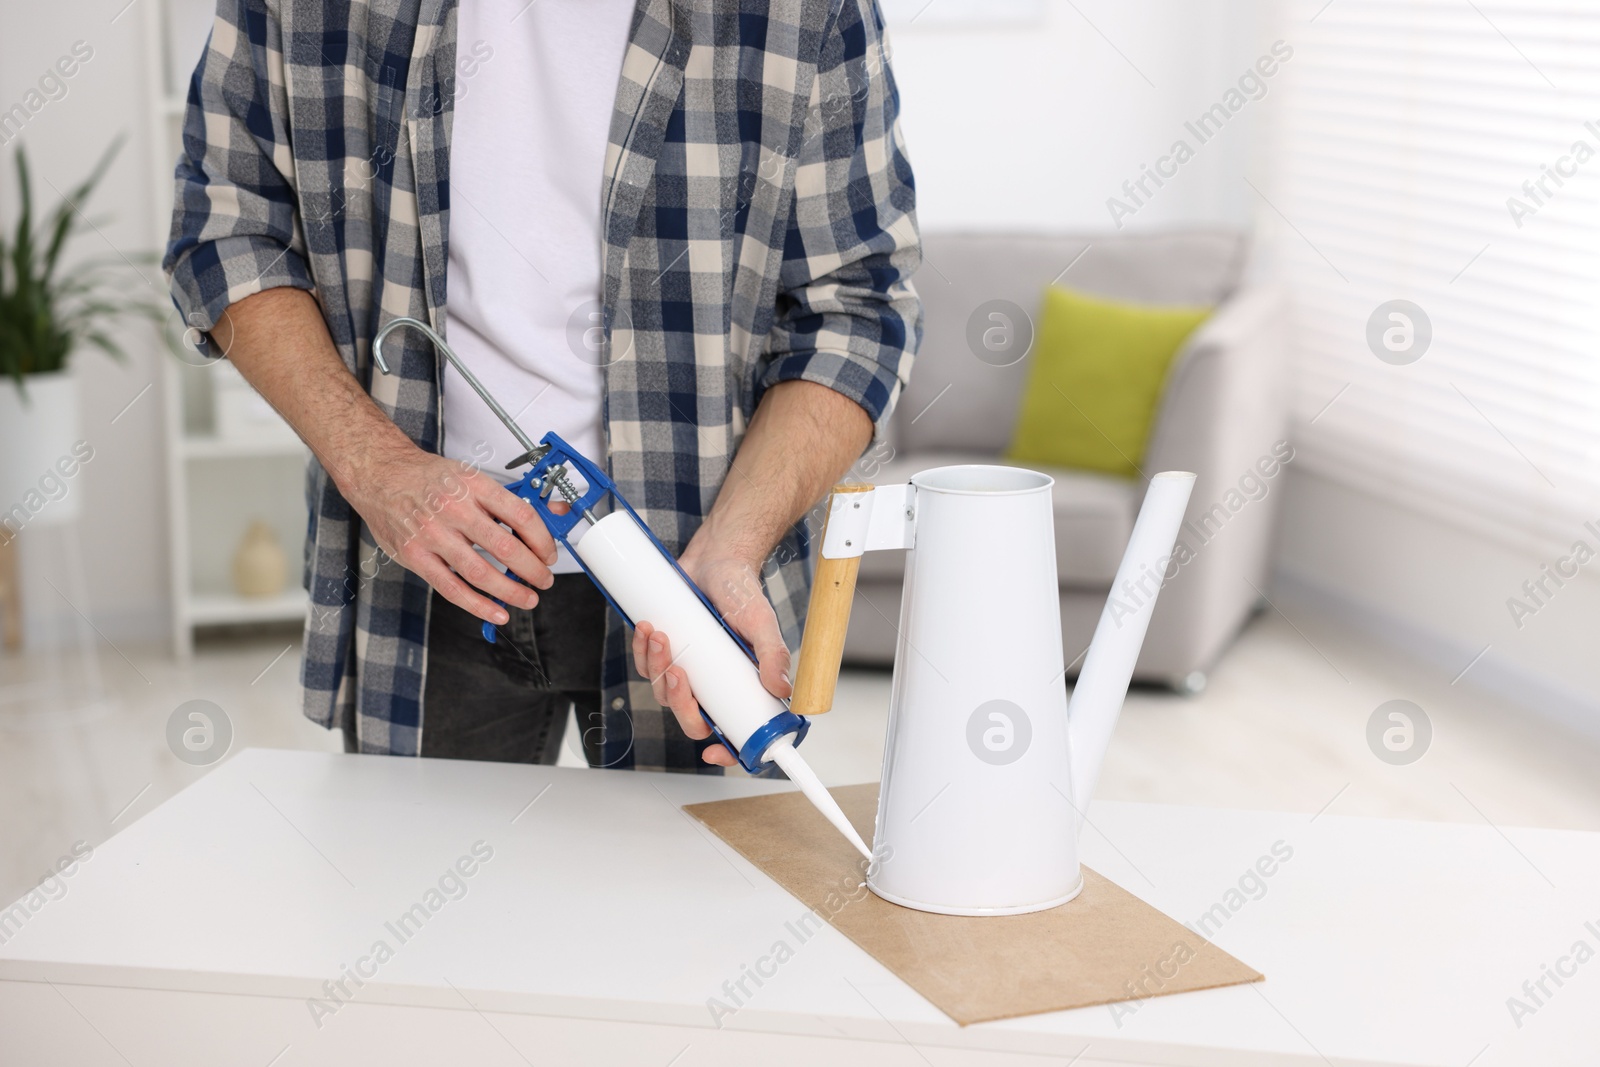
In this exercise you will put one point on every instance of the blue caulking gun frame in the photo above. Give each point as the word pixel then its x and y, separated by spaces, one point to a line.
pixel 550 459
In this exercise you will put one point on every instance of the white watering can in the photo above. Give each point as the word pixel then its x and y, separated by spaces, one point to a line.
pixel 986 771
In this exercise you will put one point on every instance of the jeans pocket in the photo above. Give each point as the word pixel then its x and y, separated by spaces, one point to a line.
pixel 517 652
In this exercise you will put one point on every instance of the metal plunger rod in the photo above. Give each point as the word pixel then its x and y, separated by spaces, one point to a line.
pixel 455 361
pixel 557 476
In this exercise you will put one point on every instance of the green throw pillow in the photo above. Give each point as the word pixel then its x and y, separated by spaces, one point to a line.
pixel 1098 370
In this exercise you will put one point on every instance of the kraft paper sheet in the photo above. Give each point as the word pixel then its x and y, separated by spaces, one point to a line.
pixel 1105 946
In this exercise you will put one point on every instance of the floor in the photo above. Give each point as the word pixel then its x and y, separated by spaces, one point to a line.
pixel 1282 725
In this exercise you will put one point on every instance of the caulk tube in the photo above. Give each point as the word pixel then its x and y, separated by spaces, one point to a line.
pixel 623 558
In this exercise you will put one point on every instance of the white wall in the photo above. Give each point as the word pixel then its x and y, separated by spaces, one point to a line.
pixel 1439 592
pixel 123 527
pixel 1425 581
pixel 1034 125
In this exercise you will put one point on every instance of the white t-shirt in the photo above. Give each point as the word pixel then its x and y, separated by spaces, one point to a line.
pixel 535 87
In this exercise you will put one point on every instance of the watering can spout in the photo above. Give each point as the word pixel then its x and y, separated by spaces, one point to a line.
pixel 1108 666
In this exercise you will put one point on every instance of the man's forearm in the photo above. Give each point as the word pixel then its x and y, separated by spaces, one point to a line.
pixel 802 438
pixel 278 340
pixel 423 510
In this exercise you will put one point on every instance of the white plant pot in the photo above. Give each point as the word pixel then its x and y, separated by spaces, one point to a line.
pixel 41 453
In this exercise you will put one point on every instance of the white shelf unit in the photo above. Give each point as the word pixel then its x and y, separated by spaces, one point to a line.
pixel 211 608
pixel 217 484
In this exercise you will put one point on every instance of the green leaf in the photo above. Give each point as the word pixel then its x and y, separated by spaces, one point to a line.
pixel 73 204
pixel 107 345
pixel 44 315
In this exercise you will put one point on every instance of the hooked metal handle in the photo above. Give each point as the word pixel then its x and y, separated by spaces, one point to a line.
pixel 531 451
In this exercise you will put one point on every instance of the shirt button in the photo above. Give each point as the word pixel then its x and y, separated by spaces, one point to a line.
pixel 617 703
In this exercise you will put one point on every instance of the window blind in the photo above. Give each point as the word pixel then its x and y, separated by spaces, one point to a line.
pixel 1447 154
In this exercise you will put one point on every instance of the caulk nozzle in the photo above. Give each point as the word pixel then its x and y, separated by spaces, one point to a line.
pixel 782 752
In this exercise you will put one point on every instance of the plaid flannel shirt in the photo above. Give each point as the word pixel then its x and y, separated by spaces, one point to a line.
pixel 758 227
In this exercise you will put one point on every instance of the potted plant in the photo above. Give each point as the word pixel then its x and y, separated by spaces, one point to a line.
pixel 48 312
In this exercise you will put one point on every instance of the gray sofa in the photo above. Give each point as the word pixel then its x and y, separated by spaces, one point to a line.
pixel 1222 415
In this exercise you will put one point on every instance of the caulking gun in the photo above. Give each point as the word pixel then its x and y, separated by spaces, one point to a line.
pixel 641 580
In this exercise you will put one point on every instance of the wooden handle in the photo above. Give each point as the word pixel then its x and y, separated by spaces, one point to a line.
pixel 822 645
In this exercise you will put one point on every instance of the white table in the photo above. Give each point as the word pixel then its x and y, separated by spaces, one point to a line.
pixel 606 917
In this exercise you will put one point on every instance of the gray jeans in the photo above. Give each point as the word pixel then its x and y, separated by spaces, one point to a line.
pixel 508 701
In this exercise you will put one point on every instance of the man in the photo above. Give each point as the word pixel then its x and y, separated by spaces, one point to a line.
pixel 680 233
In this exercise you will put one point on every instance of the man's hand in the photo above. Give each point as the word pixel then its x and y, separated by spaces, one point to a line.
pixel 423 510
pixel 428 512
pixel 802 438
pixel 734 586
